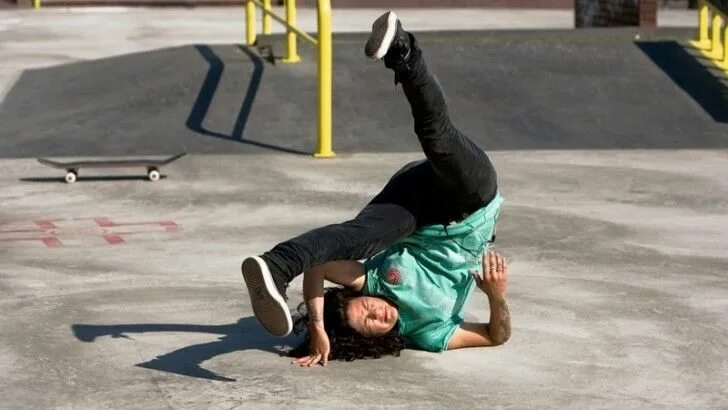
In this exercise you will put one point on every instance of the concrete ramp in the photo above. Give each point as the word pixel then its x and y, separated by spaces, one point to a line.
pixel 586 89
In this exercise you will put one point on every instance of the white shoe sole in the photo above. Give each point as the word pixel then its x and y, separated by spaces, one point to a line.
pixel 268 305
pixel 391 27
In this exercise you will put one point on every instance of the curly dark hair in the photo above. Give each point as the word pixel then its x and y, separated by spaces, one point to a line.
pixel 346 343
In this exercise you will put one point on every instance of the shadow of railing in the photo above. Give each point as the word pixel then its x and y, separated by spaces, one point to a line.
pixel 694 77
pixel 246 334
pixel 207 92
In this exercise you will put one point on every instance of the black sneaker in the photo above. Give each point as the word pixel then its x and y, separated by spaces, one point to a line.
pixel 388 41
pixel 267 295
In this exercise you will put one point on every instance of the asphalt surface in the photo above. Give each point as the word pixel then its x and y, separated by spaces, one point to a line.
pixel 597 89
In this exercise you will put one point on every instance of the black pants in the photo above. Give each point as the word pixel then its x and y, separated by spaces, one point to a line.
pixel 456 179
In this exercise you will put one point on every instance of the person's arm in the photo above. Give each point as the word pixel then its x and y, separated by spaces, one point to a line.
pixel 350 274
pixel 498 330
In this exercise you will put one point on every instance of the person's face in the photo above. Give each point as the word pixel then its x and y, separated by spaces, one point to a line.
pixel 371 316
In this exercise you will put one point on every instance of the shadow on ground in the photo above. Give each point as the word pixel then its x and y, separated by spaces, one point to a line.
pixel 577 89
pixel 207 92
pixel 246 334
pixel 691 74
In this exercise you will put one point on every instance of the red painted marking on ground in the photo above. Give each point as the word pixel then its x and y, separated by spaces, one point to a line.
pixel 104 222
pixel 52 242
pixel 50 231
pixel 38 238
pixel 46 223
pixel 114 239
pixel 34 230
pixel 108 223
pixel 169 226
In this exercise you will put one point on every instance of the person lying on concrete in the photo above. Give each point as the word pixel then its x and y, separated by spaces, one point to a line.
pixel 423 239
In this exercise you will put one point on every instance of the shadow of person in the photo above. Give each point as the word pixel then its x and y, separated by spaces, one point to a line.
pixel 244 335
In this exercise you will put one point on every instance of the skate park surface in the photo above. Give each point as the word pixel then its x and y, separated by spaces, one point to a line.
pixel 611 152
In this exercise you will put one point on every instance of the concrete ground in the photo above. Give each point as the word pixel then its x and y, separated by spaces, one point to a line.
pixel 122 293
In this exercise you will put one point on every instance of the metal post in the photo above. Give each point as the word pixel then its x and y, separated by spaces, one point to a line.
pixel 716 49
pixel 36 4
pixel 291 47
pixel 250 22
pixel 325 80
pixel 703 22
pixel 267 22
pixel 724 63
pixel 702 42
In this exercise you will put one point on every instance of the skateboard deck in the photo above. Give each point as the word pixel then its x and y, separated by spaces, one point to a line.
pixel 72 167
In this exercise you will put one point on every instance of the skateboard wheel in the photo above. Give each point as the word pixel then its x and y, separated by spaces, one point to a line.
pixel 71 177
pixel 153 174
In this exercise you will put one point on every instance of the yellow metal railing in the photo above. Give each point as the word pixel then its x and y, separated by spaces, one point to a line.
pixel 323 44
pixel 712 38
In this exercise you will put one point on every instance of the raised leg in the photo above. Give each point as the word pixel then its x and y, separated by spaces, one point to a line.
pixel 463 170
pixel 461 165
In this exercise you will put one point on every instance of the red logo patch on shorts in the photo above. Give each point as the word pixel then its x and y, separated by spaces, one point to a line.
pixel 393 276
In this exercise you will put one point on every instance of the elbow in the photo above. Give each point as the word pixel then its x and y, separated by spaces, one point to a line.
pixel 501 338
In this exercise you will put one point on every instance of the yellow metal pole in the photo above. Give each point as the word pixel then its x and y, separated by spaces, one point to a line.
pixel 250 22
pixel 36 4
pixel 325 80
pixel 724 63
pixel 267 23
pixel 291 47
pixel 703 23
pixel 282 20
pixel 716 50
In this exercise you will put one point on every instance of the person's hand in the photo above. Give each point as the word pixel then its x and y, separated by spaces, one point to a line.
pixel 495 275
pixel 320 349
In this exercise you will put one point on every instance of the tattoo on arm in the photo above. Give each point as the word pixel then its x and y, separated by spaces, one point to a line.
pixel 500 325
pixel 315 317
pixel 505 321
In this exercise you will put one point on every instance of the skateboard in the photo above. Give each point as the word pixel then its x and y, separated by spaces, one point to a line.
pixel 72 167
